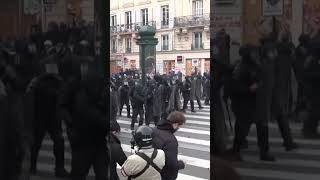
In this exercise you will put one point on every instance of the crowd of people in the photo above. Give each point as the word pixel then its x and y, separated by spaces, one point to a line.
pixel 158 101
pixel 160 95
pixel 50 80
pixel 273 81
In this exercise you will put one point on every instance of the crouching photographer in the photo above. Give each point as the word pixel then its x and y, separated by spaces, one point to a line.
pixel 147 162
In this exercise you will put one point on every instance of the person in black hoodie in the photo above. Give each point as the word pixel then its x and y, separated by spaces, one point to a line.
pixel 164 139
pixel 117 156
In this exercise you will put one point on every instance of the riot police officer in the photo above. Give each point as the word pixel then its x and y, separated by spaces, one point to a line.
pixel 89 126
pixel 137 104
pixel 124 98
pixel 47 89
pixel 148 95
pixel 186 93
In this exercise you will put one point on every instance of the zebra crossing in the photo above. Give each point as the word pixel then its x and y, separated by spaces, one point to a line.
pixel 303 163
pixel 193 138
pixel 194 147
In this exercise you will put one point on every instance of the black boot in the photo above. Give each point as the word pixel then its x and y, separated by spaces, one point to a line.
pixel 263 142
pixel 292 146
pixel 266 156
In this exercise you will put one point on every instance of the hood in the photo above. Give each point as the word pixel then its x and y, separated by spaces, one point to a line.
pixel 165 125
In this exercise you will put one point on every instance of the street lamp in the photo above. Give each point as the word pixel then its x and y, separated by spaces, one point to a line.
pixel 147 44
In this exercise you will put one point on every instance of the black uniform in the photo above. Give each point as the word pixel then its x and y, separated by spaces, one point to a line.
pixel 124 99
pixel 137 104
pixel 244 103
pixel 186 93
pixel 311 77
pixel 89 130
pixel 148 95
pixel 46 102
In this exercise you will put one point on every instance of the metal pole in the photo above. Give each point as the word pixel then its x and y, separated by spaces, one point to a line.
pixel 42 16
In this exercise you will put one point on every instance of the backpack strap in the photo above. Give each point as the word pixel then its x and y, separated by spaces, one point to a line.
pixel 149 163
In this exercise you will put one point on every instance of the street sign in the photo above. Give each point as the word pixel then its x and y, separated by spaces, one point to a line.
pixel 195 62
pixel 125 60
pixel 179 59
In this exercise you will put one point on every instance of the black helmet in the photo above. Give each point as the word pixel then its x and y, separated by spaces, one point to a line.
pixel 143 136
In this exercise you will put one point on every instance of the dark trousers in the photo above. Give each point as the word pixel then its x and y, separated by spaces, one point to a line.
pixel 284 127
pixel 199 102
pixel 148 114
pixel 58 145
pixel 164 113
pixel 310 125
pixel 186 99
pixel 207 100
pixel 125 102
pixel 137 110
pixel 244 118
pixel 86 156
pixel 283 124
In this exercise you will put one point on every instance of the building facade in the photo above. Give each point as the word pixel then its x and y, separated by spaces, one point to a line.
pixel 182 29
pixel 246 21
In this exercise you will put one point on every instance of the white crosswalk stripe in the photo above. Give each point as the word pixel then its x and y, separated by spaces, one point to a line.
pixel 194 143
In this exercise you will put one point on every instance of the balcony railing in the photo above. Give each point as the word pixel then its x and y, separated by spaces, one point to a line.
pixel 196 47
pixel 187 21
pixel 129 28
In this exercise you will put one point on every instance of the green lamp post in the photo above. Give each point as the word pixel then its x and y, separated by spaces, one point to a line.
pixel 147 43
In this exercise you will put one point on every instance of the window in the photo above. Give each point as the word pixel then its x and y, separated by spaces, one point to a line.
pixel 165 42
pixel 113 45
pixel 128 19
pixel 197 40
pixel 128 45
pixel 144 16
pixel 197 7
pixel 113 20
pixel 165 16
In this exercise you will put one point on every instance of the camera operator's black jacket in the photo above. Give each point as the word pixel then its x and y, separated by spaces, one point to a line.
pixel 117 156
pixel 164 139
